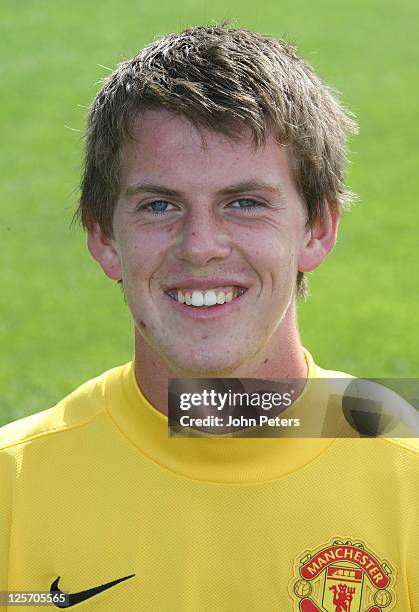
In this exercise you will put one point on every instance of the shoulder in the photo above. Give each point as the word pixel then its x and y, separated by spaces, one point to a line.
pixel 376 410
pixel 380 410
pixel 77 409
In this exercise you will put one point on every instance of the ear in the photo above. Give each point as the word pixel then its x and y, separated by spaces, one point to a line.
pixel 104 250
pixel 319 240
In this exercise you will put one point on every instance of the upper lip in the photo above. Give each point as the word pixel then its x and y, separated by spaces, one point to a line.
pixel 205 283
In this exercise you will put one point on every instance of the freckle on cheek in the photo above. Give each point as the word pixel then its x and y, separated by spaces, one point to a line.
pixel 142 324
pixel 266 361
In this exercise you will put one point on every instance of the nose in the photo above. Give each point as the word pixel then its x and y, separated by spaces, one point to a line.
pixel 201 239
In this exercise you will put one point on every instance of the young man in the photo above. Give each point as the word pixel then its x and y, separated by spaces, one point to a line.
pixel 214 180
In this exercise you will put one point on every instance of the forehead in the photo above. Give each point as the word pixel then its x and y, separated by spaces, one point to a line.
pixel 168 147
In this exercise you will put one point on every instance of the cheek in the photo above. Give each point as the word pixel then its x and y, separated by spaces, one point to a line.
pixel 276 256
pixel 141 256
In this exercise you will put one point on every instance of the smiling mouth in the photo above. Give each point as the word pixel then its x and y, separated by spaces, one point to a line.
pixel 206 299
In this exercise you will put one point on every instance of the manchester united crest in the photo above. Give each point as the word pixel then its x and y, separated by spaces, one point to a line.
pixel 342 576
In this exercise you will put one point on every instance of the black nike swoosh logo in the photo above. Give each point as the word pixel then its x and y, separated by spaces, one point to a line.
pixel 75 598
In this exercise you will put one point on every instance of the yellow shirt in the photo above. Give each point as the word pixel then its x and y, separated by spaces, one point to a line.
pixel 93 491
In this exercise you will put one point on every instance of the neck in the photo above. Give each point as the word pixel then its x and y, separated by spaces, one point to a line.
pixel 282 357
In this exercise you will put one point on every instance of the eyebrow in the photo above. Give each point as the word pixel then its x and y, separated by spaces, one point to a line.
pixel 249 185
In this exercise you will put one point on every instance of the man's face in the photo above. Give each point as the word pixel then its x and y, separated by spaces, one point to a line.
pixel 213 219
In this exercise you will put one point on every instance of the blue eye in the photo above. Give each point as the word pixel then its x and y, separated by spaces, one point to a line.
pixel 158 207
pixel 247 204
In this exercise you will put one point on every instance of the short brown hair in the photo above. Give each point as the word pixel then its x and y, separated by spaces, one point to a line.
pixel 220 77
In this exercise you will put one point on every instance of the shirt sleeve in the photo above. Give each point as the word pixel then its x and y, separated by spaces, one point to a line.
pixel 7 485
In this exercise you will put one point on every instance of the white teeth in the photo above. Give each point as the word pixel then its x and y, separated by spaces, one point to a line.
pixel 210 298
pixel 197 298
pixel 206 298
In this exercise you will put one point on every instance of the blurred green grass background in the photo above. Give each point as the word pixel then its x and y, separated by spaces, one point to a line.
pixel 62 322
